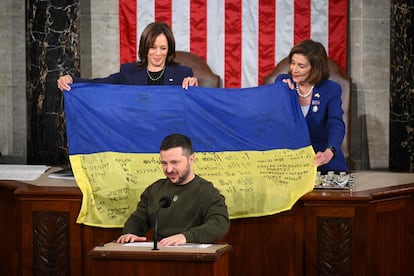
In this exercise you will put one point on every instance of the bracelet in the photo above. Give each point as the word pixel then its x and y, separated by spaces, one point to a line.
pixel 333 150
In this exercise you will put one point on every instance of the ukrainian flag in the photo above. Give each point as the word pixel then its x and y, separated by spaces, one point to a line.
pixel 252 143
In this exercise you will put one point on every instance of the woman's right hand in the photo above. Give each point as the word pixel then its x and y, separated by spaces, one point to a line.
pixel 63 82
pixel 289 83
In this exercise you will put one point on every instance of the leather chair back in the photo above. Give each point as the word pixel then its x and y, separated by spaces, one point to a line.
pixel 335 74
pixel 201 70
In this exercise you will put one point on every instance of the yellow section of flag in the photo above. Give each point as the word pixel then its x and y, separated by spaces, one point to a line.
pixel 254 183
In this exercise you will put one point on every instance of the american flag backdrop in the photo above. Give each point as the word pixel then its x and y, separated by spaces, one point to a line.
pixel 241 40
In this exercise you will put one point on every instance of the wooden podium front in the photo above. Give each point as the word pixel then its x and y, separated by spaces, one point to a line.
pixel 127 259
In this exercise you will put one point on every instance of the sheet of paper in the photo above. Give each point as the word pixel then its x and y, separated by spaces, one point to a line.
pixel 21 172
pixel 150 244
pixel 62 174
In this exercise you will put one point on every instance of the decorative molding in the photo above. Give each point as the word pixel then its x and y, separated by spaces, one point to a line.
pixel 334 246
pixel 51 243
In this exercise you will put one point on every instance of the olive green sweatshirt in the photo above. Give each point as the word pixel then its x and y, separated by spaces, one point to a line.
pixel 197 210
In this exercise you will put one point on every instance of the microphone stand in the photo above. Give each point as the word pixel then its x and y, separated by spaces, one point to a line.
pixel 155 234
pixel 165 202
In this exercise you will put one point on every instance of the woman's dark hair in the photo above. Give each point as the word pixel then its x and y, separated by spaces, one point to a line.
pixel 177 140
pixel 317 56
pixel 148 36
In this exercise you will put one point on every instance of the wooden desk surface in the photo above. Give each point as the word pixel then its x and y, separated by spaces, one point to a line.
pixel 45 181
pixel 115 250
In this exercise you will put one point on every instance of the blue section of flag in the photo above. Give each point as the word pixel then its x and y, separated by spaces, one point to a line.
pixel 135 119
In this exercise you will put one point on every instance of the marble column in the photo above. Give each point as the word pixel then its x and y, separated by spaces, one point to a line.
pixel 52 39
pixel 402 86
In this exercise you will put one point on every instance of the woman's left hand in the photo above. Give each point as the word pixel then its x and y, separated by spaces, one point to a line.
pixel 322 158
pixel 189 81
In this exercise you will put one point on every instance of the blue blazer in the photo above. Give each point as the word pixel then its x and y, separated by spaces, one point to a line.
pixel 130 75
pixel 325 123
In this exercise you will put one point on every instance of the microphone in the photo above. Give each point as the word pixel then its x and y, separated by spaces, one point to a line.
pixel 164 202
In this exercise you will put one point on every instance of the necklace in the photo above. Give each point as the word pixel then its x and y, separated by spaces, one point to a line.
pixel 157 78
pixel 303 95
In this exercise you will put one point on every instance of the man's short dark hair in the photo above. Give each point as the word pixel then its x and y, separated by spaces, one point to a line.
pixel 177 140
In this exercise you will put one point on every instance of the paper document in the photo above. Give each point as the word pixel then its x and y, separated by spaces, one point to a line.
pixel 62 174
pixel 21 172
pixel 151 244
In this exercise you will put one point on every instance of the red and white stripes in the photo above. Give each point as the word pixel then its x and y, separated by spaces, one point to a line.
pixel 241 40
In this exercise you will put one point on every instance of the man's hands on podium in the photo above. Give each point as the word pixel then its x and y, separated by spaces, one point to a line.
pixel 178 239
pixel 130 238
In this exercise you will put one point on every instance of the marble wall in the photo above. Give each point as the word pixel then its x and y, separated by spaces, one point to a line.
pixel 402 86
pixel 52 49
pixel 369 53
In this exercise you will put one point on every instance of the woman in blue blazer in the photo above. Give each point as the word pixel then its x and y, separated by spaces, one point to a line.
pixel 320 101
pixel 156 65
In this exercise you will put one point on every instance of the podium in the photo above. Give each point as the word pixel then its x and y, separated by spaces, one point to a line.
pixel 127 259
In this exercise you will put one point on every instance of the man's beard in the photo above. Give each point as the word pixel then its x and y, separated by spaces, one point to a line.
pixel 184 177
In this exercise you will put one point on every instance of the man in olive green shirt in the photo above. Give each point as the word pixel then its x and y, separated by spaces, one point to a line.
pixel 198 212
